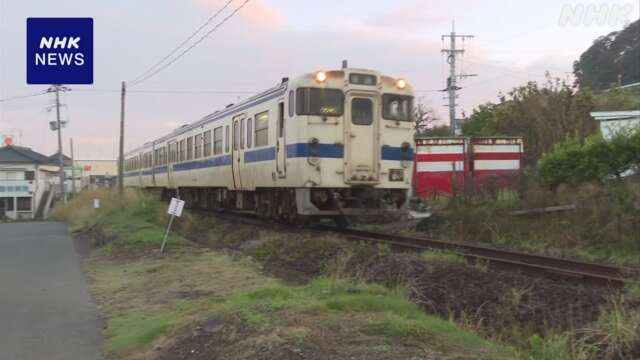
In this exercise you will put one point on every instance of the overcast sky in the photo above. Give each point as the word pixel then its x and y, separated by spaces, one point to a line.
pixel 515 41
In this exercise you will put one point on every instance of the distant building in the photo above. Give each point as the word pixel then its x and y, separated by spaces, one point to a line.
pixel 26 189
pixel 612 122
pixel 97 173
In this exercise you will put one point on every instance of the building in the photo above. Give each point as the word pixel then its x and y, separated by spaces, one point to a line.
pixel 612 122
pixel 96 173
pixel 26 188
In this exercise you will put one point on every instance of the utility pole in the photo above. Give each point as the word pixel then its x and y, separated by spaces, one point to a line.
pixel 121 152
pixel 452 52
pixel 73 170
pixel 56 89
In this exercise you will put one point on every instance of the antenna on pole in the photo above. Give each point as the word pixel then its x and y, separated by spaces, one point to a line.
pixel 452 54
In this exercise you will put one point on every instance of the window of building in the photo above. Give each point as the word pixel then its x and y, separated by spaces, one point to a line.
pixel 190 148
pixel 24 204
pixel 262 129
pixel 226 139
pixel 197 146
pixel 6 203
pixel 29 175
pixel 249 132
pixel 217 140
pixel 207 143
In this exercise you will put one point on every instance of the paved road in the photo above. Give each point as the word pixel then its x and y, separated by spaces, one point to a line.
pixel 46 312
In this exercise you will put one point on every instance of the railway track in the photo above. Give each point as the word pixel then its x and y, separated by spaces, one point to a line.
pixel 533 264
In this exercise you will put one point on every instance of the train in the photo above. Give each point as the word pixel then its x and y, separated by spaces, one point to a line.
pixel 334 144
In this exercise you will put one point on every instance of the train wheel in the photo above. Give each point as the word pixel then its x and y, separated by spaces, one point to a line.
pixel 341 222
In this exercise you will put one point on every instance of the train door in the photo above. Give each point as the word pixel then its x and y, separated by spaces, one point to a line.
pixel 361 137
pixel 281 155
pixel 235 152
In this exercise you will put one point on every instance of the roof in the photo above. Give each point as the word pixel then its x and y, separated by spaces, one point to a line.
pixel 54 157
pixel 19 154
pixel 615 115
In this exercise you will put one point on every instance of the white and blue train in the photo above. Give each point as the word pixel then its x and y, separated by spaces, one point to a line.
pixel 325 144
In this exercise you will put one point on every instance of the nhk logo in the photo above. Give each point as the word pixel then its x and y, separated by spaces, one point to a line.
pixel 60 51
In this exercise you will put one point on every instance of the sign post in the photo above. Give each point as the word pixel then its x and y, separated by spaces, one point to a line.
pixel 175 209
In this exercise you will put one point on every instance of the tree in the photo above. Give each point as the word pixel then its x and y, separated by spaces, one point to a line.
pixel 610 59
pixel 424 118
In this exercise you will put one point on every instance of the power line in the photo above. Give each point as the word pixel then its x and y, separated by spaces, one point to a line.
pixel 23 96
pixel 145 78
pixel 183 42
pixel 184 92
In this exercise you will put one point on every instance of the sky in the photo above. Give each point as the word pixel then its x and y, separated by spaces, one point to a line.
pixel 514 42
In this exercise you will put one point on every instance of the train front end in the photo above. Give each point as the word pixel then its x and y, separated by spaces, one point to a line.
pixel 359 130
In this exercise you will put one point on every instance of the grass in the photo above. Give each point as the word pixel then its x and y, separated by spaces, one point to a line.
pixel 389 313
pixel 444 256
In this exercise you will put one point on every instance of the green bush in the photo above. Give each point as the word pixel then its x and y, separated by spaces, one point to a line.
pixel 574 162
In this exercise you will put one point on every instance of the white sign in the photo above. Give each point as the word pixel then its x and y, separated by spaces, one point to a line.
pixel 96 203
pixel 175 207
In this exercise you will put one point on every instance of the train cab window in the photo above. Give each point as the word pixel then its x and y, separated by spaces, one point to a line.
pixel 249 132
pixel 280 119
pixel 190 148
pixel 262 129
pixel 241 134
pixel 316 101
pixel 291 103
pixel 207 143
pixel 397 107
pixel 217 140
pixel 226 139
pixel 198 146
pixel 182 150
pixel 361 111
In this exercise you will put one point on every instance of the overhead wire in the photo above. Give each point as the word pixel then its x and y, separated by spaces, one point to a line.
pixel 207 22
pixel 224 20
pixel 23 96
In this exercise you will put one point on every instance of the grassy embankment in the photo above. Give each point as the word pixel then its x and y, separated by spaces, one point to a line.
pixel 603 227
pixel 152 303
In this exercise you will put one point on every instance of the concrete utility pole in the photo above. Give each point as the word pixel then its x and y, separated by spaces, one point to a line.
pixel 56 89
pixel 452 52
pixel 73 170
pixel 121 152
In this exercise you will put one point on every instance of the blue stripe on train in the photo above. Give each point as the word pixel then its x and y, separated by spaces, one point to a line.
pixel 331 151
pixel 260 155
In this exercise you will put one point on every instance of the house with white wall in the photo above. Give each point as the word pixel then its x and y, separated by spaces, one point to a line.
pixel 25 183
pixel 612 122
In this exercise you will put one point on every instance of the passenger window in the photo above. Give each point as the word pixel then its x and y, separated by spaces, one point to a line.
pixel 361 111
pixel 198 146
pixel 262 129
pixel 217 140
pixel 190 148
pixel 241 135
pixel 226 139
pixel 291 103
pixel 249 132
pixel 280 119
pixel 182 150
pixel 207 143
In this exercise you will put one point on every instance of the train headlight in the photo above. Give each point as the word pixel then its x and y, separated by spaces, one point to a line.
pixel 396 175
pixel 321 76
pixel 401 84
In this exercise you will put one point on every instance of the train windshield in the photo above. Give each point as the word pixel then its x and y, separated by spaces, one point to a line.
pixel 316 101
pixel 397 107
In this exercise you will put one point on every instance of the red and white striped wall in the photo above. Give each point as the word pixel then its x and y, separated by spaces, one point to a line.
pixel 444 165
